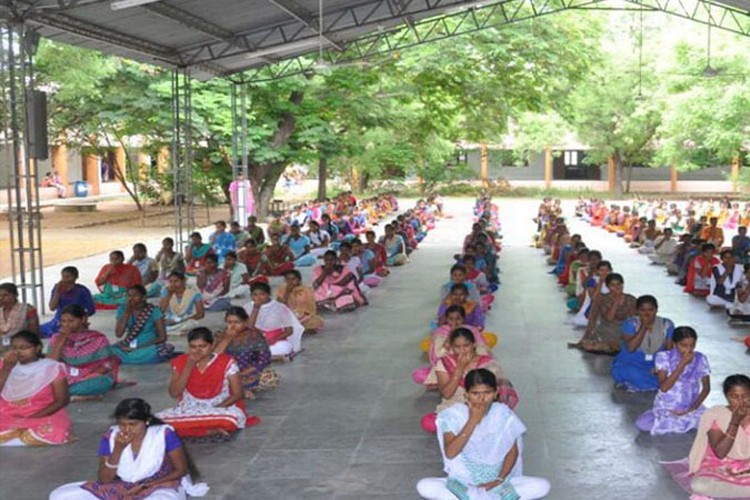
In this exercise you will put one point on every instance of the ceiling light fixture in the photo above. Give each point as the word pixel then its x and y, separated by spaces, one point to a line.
pixel 127 4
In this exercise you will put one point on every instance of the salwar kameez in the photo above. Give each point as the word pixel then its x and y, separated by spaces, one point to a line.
pixel 27 391
pixel 114 291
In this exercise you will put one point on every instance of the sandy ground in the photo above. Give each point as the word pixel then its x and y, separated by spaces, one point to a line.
pixel 68 236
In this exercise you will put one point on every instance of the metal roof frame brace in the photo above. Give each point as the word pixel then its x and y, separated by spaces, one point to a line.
pixel 493 15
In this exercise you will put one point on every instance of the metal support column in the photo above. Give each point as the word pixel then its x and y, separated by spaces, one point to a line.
pixel 17 47
pixel 240 209
pixel 182 156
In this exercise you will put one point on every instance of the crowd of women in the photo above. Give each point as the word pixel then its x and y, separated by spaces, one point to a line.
pixel 650 353
pixel 480 437
pixel 143 455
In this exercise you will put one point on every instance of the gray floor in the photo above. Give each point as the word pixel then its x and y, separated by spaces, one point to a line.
pixel 344 423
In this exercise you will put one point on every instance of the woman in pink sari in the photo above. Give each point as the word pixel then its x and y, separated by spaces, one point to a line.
pixel 451 370
pixel 33 396
pixel 455 317
pixel 336 286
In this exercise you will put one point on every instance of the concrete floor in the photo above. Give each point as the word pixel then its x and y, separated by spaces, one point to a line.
pixel 344 422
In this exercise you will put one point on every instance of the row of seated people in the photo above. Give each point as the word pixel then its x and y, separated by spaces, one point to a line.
pixel 677 215
pixel 210 383
pixel 703 266
pixel 479 435
pixel 651 354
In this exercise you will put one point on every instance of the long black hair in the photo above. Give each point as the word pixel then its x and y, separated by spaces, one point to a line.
pixel 138 409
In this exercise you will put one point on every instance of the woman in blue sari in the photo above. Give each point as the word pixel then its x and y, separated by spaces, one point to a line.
pixel 65 293
pixel 140 325
pixel 643 336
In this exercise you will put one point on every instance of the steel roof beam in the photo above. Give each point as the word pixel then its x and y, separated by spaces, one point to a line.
pixel 200 25
pixel 304 16
pixel 479 18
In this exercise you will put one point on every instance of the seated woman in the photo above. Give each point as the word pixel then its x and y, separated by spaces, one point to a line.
pixel 459 276
pixel 664 248
pixel 336 287
pixel 15 316
pixel 684 383
pixel 395 247
pixel 140 325
pixel 459 297
pixel 643 336
pixel 300 299
pixel 238 276
pixel 319 239
pixel 139 457
pixel 114 280
pixel 182 306
pixel 608 313
pixel 451 370
pixel 379 252
pixel 724 280
pixel 699 271
pixel 300 245
pixel 721 450
pixel 250 255
pixel 213 283
pixel 480 441
pixel 148 267
pixel 208 390
pixel 369 263
pixel 90 363
pixel 169 261
pixel 195 254
pixel 33 396
pixel 221 241
pixel 250 350
pixel 275 321
pixel 455 317
pixel 594 286
pixel 740 310
pixel 65 293
pixel 277 258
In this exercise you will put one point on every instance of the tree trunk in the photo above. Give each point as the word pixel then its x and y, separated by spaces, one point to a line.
pixel 322 177
pixel 617 192
pixel 364 179
pixel 630 177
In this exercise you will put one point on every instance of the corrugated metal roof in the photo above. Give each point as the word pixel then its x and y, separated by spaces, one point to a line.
pixel 221 37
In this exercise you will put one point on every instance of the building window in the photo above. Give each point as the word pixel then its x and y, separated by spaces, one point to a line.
pixel 571 158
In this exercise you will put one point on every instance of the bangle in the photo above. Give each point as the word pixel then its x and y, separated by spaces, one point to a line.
pixel 109 465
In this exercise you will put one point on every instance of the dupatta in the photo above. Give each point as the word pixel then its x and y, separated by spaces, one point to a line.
pixel 25 381
pixel 209 383
pixel 274 315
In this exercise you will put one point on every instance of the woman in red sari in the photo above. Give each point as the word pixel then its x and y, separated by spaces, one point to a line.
pixel 277 258
pixel 208 390
pixel 114 280
pixel 699 271
pixel 381 255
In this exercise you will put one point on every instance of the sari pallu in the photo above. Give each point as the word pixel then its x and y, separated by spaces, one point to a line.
pixel 395 250
pixel 196 413
pixel 27 391
pixel 276 260
pixel 506 393
pixel 439 347
pixel 212 290
pixel 141 329
pixel 91 365
pixel 338 290
pixel 115 290
pixel 253 356
pixel 699 275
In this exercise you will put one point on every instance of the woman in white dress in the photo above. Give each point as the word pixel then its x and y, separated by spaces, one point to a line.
pixel 279 325
pixel 482 449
